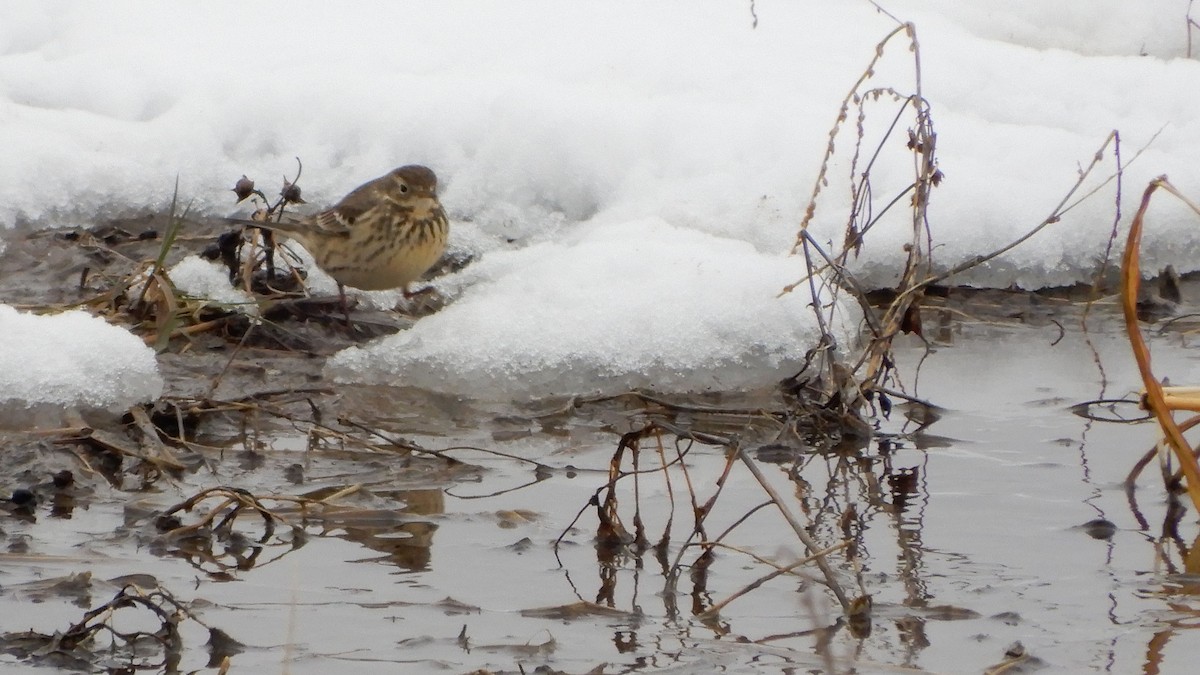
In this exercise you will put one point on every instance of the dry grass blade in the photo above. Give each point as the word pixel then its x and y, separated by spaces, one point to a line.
pixel 1154 399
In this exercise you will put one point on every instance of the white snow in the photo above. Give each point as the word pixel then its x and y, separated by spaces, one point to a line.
pixel 200 278
pixel 588 152
pixel 623 305
pixel 73 360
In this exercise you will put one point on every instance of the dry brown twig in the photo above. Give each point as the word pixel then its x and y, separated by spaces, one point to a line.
pixel 1156 398
pixel 838 379
pixel 848 378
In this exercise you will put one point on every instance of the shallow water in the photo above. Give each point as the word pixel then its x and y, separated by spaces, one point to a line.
pixel 967 533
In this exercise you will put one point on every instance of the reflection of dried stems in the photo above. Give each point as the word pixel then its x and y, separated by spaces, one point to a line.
pixel 197 541
pixel 1159 401
pixel 238 500
pixel 614 536
pixel 814 551
pixel 816 557
pixel 235 500
pixel 99 619
pixel 1171 479
pixel 80 640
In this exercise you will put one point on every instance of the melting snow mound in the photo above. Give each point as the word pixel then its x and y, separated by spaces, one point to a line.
pixel 637 304
pixel 200 278
pixel 71 360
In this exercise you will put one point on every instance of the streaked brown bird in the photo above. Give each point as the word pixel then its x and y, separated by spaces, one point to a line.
pixel 385 234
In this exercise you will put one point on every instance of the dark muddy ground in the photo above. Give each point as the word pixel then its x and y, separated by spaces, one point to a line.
pixel 275 522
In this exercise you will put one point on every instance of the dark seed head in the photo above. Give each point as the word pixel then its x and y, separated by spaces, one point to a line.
pixel 291 193
pixel 243 188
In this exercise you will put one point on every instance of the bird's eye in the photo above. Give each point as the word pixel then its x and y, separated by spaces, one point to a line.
pixel 403 187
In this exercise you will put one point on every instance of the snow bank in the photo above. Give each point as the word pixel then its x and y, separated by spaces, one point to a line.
pixel 70 360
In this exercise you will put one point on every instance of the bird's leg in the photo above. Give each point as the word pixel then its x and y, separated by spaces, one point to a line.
pixel 411 303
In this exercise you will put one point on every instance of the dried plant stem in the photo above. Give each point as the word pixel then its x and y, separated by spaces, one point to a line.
pixel 1191 23
pixel 814 550
pixel 846 383
pixel 843 115
pixel 1154 399
pixel 778 572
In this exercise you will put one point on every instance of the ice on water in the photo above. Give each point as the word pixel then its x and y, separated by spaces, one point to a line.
pixel 629 176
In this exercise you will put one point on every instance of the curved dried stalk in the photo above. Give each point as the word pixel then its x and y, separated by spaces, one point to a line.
pixel 1154 398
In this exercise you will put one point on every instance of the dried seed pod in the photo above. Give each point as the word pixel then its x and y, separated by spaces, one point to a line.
pixel 291 193
pixel 243 188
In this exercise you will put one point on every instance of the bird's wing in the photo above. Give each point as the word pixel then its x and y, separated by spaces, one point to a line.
pixel 340 218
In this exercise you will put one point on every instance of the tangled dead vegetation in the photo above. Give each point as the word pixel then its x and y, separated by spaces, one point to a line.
pixel 100 641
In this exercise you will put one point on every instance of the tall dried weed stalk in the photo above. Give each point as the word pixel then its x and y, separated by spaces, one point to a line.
pixel 841 378
pixel 855 379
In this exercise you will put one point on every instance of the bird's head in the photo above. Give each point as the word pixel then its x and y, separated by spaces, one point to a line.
pixel 414 180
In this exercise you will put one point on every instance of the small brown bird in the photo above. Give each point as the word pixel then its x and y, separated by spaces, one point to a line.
pixel 384 234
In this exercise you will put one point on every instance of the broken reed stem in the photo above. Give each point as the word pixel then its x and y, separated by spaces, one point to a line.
pixel 1154 400
pixel 814 550
pixel 163 457
pixel 1175 401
